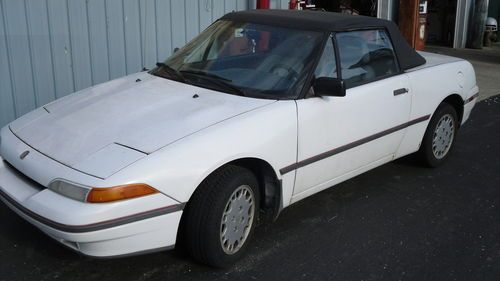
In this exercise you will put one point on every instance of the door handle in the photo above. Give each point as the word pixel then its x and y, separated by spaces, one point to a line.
pixel 400 91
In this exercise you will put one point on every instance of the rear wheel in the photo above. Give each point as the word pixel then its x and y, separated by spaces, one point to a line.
pixel 221 216
pixel 440 136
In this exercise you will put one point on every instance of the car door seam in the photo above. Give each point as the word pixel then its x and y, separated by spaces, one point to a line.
pixel 332 152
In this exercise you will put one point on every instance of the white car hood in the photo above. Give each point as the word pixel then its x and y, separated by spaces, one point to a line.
pixel 139 116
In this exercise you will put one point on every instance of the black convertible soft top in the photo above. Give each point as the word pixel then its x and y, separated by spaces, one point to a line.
pixel 328 22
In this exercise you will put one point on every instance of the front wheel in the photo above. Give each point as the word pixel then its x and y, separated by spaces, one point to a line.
pixel 221 216
pixel 440 136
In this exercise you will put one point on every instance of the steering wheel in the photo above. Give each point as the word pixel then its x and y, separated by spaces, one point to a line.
pixel 284 70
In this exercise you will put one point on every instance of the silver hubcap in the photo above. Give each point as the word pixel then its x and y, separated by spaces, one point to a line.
pixel 237 219
pixel 443 136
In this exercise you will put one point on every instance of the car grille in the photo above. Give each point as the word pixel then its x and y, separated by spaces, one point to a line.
pixel 23 176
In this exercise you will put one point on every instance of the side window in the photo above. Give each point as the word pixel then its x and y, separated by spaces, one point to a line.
pixel 327 66
pixel 365 55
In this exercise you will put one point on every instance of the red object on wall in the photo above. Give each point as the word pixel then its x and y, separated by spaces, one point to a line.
pixel 413 22
pixel 263 4
pixel 421 32
pixel 408 20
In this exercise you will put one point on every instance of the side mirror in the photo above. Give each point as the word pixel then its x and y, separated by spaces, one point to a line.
pixel 326 86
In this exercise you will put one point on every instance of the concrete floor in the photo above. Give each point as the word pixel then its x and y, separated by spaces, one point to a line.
pixel 486 63
pixel 397 222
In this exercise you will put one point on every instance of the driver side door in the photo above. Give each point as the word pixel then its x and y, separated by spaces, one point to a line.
pixel 340 137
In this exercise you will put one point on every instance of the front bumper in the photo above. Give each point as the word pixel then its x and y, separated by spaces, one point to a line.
pixel 99 230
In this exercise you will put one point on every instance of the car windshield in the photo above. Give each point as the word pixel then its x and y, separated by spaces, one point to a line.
pixel 247 59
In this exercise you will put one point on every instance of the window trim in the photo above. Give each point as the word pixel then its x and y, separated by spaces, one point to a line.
pixel 308 83
pixel 333 36
pixel 337 54
pixel 330 38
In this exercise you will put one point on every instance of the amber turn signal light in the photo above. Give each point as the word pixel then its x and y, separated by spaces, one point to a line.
pixel 121 192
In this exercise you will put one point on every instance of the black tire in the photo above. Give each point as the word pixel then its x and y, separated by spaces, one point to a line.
pixel 204 213
pixel 426 152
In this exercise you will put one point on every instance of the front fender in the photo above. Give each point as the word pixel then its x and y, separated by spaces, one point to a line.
pixel 268 133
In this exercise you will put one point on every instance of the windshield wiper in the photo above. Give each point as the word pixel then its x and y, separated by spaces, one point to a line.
pixel 215 79
pixel 202 73
pixel 171 72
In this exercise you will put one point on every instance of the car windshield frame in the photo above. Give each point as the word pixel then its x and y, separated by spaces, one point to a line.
pixel 199 64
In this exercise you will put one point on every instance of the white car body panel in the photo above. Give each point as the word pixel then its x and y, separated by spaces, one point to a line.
pixel 440 77
pixel 144 115
pixel 332 122
pixel 161 136
pixel 186 163
pixel 137 236
pixel 111 159
pixel 320 187
pixel 38 166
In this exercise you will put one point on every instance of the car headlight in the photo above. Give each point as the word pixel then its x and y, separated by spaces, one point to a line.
pixel 100 194
pixel 70 190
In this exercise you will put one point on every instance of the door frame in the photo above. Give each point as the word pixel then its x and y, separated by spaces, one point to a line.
pixel 461 23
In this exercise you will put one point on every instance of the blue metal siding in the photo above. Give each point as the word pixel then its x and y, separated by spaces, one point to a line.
pixel 279 4
pixel 7 103
pixel 50 48
pixel 96 15
pixel 18 50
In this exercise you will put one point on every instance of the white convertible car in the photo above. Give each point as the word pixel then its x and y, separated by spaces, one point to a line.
pixel 261 110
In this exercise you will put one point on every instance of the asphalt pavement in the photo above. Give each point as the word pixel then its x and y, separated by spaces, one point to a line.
pixel 400 221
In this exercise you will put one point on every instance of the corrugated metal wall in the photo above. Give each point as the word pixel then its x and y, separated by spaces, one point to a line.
pixel 50 48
